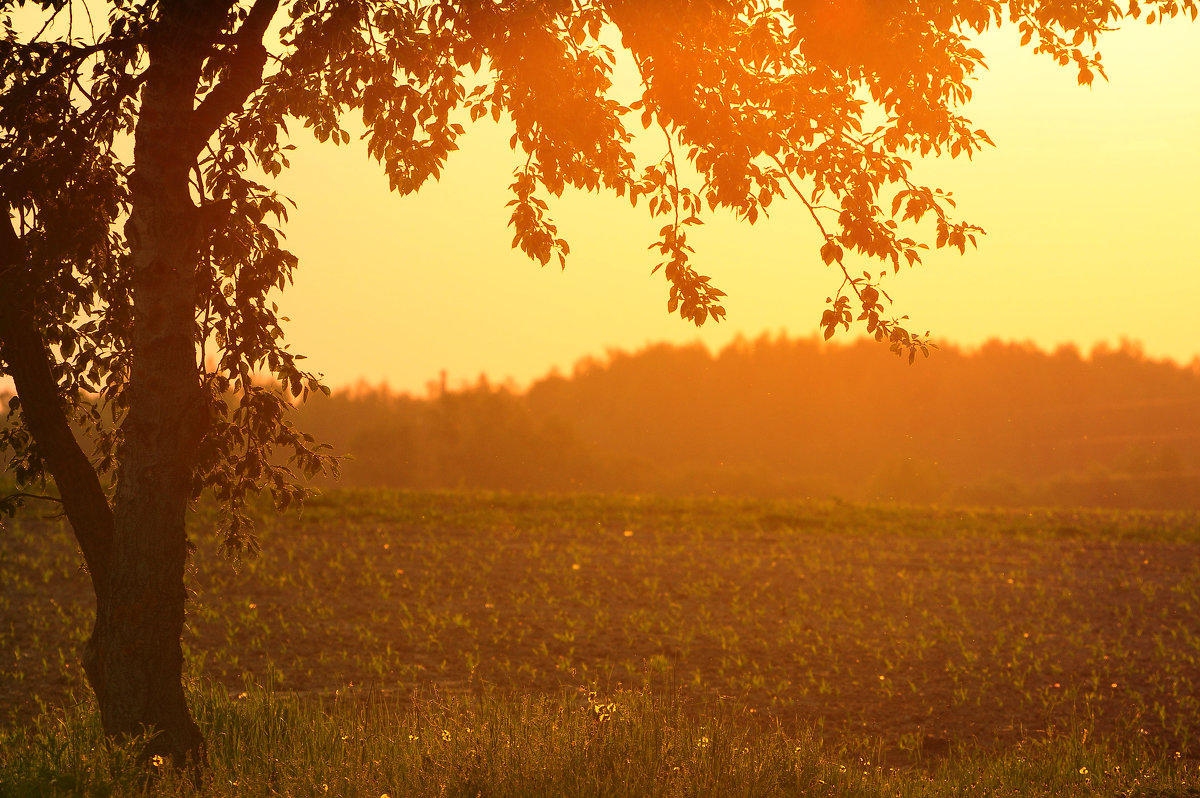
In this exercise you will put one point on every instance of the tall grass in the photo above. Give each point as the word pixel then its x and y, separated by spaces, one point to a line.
pixel 628 743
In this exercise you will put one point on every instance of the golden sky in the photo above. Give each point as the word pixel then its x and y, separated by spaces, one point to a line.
pixel 1089 200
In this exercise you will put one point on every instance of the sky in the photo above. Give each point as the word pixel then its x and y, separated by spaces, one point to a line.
pixel 1089 201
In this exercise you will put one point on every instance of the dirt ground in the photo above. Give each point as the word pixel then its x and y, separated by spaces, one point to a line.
pixel 921 627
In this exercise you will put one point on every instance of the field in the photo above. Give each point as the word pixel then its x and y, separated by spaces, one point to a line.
pixel 911 632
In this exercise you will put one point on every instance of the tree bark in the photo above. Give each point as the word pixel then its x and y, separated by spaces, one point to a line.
pixel 138 683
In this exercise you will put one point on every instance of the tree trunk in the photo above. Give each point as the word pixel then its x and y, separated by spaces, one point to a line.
pixel 137 552
pixel 136 555
pixel 133 659
pixel 138 675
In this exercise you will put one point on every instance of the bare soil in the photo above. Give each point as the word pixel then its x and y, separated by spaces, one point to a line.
pixel 921 627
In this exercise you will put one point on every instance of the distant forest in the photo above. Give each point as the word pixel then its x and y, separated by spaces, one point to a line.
pixel 1007 424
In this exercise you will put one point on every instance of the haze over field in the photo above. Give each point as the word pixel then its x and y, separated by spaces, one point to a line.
pixel 1007 425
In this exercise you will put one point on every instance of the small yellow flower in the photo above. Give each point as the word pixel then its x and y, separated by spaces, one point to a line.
pixel 1083 771
pixel 157 761
pixel 446 735
pixel 575 566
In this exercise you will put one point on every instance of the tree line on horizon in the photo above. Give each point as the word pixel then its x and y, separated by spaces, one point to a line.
pixel 1006 424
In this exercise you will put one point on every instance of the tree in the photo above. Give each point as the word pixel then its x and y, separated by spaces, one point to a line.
pixel 143 239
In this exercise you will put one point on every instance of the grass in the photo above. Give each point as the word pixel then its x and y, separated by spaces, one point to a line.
pixel 630 743
pixel 999 649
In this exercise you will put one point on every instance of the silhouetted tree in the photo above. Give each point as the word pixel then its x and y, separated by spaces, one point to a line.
pixel 143 277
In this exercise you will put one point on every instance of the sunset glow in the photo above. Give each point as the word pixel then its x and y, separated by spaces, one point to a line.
pixel 600 397
pixel 1089 201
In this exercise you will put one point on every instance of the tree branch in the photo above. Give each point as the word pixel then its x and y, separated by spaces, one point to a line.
pixel 29 363
pixel 71 56
pixel 243 71
pixel 23 495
